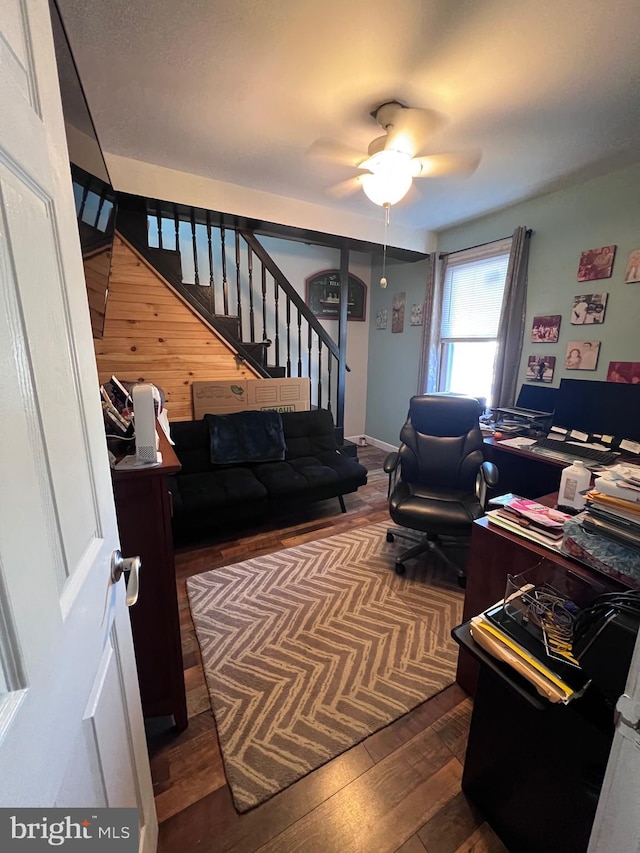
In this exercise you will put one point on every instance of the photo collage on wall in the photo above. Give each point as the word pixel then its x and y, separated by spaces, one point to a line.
pixel 587 309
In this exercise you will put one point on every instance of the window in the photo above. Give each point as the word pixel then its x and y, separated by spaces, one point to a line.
pixel 472 289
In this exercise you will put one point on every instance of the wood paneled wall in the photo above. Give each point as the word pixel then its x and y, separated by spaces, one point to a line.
pixel 152 335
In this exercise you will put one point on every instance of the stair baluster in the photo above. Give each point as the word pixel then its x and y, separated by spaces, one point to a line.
pixel 288 322
pixel 225 284
pixel 176 225
pixel 238 281
pixel 212 283
pixel 319 401
pixel 299 342
pixel 276 296
pixel 263 284
pixel 252 326
pixel 196 275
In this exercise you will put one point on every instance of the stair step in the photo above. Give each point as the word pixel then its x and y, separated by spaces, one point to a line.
pixel 276 372
pixel 228 325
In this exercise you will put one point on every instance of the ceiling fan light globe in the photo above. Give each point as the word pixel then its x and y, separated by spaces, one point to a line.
pixel 390 178
pixel 383 189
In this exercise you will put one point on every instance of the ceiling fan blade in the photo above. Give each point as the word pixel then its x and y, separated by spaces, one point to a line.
pixel 462 163
pixel 345 188
pixel 333 151
pixel 412 128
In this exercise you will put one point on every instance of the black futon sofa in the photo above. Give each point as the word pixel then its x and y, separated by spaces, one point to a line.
pixel 209 496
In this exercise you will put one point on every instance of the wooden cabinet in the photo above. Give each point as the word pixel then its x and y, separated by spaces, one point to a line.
pixel 143 507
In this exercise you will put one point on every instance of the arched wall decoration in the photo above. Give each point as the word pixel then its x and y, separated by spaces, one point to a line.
pixel 323 295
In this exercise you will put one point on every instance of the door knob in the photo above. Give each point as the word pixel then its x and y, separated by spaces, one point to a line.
pixel 127 566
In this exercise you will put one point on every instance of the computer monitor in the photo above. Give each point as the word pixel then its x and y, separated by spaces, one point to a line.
pixel 599 408
pixel 537 398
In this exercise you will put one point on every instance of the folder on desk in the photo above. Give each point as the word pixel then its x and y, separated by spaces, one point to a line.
pixel 501 650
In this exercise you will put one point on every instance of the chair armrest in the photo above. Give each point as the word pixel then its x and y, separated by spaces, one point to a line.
pixel 391 462
pixel 487 477
pixel 391 466
pixel 490 473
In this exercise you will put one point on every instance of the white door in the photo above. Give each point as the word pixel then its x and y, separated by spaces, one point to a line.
pixel 71 731
pixel 616 828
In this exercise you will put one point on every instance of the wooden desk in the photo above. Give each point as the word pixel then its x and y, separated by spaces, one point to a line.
pixel 495 553
pixel 522 472
pixel 143 507
pixel 534 770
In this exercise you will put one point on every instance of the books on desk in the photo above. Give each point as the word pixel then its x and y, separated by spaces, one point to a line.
pixel 529 519
pixel 613 506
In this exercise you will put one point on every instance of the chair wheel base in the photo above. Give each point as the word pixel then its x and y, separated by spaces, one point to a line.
pixel 390 536
pixel 400 568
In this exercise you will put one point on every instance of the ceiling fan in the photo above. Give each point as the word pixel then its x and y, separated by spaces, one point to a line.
pixel 394 159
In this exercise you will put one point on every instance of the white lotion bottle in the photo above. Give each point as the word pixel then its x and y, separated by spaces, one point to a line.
pixel 574 480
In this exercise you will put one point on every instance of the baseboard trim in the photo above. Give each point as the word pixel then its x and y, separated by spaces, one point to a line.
pixel 375 442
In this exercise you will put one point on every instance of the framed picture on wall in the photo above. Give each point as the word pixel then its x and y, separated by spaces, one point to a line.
pixel 546 329
pixel 632 272
pixel 540 368
pixel 416 314
pixel 596 263
pixel 588 308
pixel 381 319
pixel 624 371
pixel 397 312
pixel 582 355
pixel 323 295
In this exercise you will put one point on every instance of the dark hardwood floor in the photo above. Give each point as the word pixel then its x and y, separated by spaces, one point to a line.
pixel 399 790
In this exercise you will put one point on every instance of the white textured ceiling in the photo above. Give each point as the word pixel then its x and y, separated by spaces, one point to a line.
pixel 237 90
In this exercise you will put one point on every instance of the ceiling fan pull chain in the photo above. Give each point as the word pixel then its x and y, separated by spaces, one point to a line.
pixel 383 280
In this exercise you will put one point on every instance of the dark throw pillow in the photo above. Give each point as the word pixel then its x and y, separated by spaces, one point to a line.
pixel 246 437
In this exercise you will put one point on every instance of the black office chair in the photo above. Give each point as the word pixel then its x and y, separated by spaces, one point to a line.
pixel 438 478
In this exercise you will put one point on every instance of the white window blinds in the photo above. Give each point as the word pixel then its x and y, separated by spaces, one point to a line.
pixel 472 293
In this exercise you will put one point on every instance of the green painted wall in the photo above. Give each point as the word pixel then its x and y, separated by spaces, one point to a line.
pixel 600 212
pixel 392 376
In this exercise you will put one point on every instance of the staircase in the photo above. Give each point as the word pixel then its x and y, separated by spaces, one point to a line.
pixel 224 272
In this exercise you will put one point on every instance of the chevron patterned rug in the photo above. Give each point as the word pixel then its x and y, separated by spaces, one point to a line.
pixel 309 650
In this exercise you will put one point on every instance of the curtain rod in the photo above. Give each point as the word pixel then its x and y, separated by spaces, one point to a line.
pixel 480 245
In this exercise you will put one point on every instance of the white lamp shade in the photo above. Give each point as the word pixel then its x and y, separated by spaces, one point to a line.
pixel 390 177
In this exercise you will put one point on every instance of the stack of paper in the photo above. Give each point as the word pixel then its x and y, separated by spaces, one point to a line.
pixel 613 506
pixel 529 519
pixel 497 634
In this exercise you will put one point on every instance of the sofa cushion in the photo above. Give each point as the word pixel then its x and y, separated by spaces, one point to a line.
pixel 308 433
pixel 315 473
pixel 350 473
pixel 245 437
pixel 192 446
pixel 223 488
pixel 281 480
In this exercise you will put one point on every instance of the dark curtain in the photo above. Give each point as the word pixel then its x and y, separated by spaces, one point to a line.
pixel 512 321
